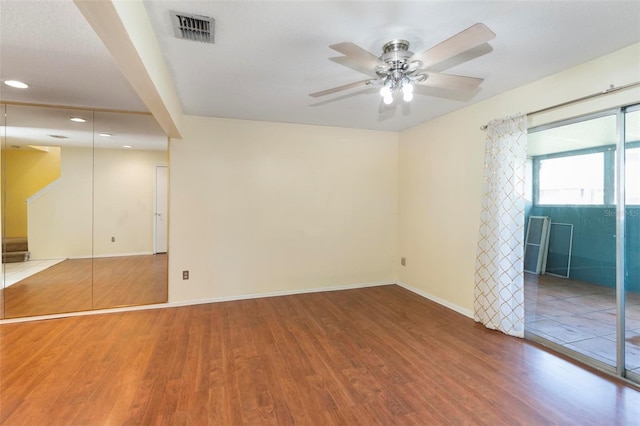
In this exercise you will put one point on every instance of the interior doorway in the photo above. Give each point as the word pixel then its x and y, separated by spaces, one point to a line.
pixel 161 209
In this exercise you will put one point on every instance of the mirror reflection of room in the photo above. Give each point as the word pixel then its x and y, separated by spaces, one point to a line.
pixel 84 210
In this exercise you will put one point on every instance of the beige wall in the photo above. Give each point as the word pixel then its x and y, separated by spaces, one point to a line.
pixel 65 222
pixel 59 217
pixel 264 208
pixel 124 185
pixel 440 173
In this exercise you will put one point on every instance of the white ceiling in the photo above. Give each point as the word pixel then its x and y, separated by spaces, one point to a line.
pixel 269 55
pixel 50 46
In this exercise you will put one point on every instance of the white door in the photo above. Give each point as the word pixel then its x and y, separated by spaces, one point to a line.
pixel 161 210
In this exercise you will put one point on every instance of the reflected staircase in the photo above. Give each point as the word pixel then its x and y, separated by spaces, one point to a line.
pixel 15 250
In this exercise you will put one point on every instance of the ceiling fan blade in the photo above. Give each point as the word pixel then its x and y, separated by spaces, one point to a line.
pixel 473 36
pixel 357 54
pixel 463 57
pixel 340 88
pixel 354 65
pixel 449 81
pixel 366 91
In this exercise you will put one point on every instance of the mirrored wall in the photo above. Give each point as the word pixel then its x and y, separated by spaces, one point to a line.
pixel 84 210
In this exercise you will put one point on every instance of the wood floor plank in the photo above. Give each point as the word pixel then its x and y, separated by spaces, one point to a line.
pixel 378 355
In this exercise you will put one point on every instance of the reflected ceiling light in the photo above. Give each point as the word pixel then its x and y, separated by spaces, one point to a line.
pixel 17 84
pixel 105 135
pixel 78 119
pixel 127 146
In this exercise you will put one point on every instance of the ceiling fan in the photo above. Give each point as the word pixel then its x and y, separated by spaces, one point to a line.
pixel 398 69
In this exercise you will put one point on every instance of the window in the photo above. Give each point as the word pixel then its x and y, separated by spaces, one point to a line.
pixel 574 162
pixel 632 179
pixel 575 179
pixel 632 156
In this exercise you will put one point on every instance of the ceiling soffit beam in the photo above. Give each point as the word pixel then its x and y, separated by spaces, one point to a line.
pixel 125 29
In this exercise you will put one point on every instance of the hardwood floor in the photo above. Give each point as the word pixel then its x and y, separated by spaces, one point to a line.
pixel 84 284
pixel 380 355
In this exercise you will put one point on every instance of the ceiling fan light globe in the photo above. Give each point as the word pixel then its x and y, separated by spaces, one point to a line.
pixel 385 91
pixel 407 97
pixel 388 100
pixel 407 88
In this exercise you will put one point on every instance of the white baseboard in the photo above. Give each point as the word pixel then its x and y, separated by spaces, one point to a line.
pixel 142 253
pixel 445 303
pixel 277 293
pixel 196 302
pixel 99 256
pixel 83 313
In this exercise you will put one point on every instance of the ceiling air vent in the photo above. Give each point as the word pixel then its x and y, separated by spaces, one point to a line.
pixel 192 27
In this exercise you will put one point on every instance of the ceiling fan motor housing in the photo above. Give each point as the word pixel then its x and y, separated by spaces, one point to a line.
pixel 396 53
pixel 399 66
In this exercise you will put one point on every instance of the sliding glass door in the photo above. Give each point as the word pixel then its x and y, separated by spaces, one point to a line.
pixel 584 300
pixel 631 314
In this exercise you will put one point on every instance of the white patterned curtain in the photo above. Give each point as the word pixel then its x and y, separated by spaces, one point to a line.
pixel 499 292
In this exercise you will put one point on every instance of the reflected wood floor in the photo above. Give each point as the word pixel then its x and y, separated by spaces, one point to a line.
pixel 84 284
pixel 379 355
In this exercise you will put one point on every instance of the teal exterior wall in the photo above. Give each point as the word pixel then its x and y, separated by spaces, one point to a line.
pixel 593 257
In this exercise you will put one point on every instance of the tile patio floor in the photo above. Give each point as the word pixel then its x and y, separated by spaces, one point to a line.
pixel 581 317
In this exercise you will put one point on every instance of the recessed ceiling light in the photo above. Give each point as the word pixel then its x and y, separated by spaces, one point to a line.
pixel 78 119
pixel 58 136
pixel 105 135
pixel 17 84
pixel 127 146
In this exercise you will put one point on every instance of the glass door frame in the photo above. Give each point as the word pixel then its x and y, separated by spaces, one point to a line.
pixel 621 253
pixel 620 242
